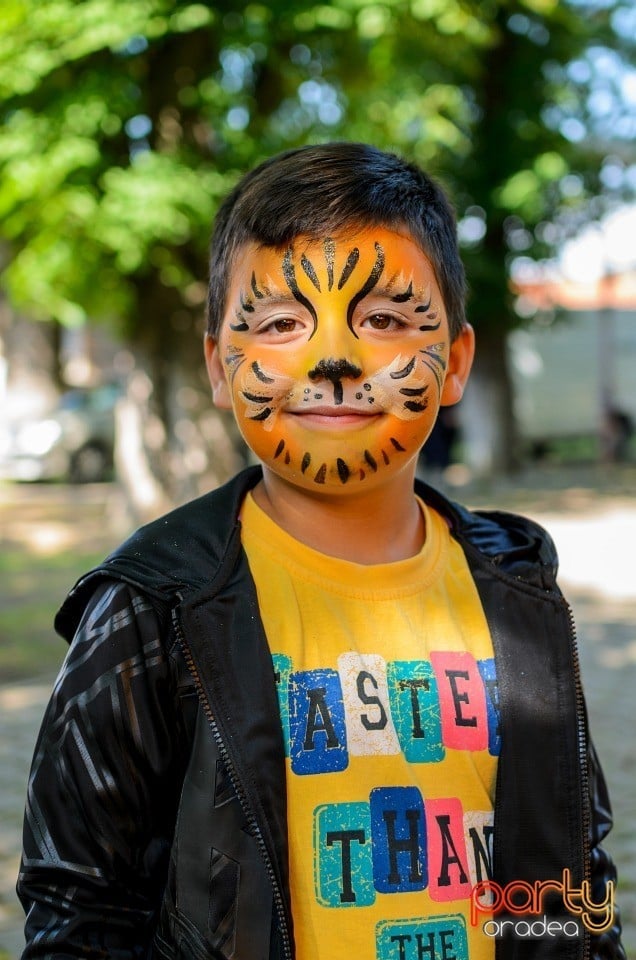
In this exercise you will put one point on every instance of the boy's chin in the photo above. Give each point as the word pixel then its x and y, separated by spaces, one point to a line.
pixel 342 475
pixel 338 464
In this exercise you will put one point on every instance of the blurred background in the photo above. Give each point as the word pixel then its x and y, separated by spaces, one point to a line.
pixel 123 124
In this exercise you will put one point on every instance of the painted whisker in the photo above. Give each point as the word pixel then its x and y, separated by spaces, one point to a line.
pixel 255 398
pixel 258 372
pixel 414 391
pixel 404 372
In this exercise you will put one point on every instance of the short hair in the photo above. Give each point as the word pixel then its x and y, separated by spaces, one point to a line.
pixel 319 190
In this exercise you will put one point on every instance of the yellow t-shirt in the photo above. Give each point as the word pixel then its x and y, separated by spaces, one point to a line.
pixel 388 701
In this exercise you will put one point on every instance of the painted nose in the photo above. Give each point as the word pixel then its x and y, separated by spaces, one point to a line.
pixel 335 371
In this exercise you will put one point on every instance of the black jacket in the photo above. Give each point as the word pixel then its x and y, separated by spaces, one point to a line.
pixel 156 819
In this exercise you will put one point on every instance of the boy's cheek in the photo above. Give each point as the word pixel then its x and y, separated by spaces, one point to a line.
pixel 290 365
pixel 403 386
pixel 299 358
pixel 258 391
pixel 337 460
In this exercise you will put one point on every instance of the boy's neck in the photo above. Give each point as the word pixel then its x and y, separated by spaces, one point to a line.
pixel 382 526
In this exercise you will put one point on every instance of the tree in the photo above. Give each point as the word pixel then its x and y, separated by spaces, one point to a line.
pixel 124 123
pixel 516 106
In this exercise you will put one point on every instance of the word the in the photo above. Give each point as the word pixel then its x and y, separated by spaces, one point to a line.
pixel 432 938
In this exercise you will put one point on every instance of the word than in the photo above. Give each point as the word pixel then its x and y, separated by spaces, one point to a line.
pixel 399 842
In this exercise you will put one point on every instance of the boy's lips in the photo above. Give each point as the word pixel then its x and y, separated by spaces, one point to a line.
pixel 333 416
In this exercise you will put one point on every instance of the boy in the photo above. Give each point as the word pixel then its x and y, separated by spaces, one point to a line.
pixel 312 713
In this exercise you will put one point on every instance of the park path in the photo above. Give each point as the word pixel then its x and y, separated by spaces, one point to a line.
pixel 595 532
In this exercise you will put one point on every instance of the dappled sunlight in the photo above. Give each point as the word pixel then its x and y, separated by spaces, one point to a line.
pixel 45 539
pixel 23 697
pixel 595 552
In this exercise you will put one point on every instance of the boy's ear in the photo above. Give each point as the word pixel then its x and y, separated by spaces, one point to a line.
pixel 460 361
pixel 216 374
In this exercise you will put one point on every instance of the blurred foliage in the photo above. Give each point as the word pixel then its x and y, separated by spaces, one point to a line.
pixel 124 123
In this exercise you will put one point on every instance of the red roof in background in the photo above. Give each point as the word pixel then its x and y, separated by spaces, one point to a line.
pixel 617 292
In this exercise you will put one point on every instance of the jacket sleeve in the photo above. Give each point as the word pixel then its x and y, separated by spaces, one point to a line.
pixel 605 946
pixel 102 791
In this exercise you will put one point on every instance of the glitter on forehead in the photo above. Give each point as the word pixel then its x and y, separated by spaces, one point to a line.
pixel 289 273
pixel 349 267
pixel 310 271
pixel 368 286
pixel 330 259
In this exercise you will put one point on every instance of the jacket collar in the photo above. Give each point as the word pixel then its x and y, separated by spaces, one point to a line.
pixel 191 547
pixel 514 544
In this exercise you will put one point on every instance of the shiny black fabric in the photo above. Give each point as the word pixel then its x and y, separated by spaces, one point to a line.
pixel 155 822
pixel 103 792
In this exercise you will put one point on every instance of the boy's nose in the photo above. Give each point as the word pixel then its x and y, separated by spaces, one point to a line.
pixel 335 371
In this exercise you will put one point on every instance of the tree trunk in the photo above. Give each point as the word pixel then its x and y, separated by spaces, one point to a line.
pixel 173 444
pixel 487 412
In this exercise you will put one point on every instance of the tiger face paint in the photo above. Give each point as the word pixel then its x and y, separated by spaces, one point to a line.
pixel 335 357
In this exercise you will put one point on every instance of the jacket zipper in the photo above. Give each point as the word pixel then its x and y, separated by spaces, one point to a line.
pixel 583 762
pixel 236 783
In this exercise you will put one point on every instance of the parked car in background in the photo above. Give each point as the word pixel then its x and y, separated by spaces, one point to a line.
pixel 74 441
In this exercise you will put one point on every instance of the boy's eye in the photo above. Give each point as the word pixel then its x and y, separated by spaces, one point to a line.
pixel 282 325
pixel 382 321
pixel 285 325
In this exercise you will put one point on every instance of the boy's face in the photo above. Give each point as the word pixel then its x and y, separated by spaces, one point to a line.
pixel 335 356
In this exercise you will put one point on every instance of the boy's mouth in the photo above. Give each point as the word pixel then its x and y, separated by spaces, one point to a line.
pixel 332 416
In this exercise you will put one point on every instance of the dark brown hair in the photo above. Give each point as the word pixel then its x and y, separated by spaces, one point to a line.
pixel 319 190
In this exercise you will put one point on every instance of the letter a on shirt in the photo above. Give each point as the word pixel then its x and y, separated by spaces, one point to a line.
pixel 317 729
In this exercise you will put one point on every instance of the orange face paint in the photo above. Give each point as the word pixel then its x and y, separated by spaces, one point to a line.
pixel 335 353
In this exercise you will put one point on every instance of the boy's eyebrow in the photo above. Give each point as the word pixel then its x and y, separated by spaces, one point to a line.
pixel 260 295
pixel 382 293
pixel 249 306
pixel 388 293
pixel 266 299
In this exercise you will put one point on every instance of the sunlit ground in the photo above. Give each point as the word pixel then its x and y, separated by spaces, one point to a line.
pixel 597 552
